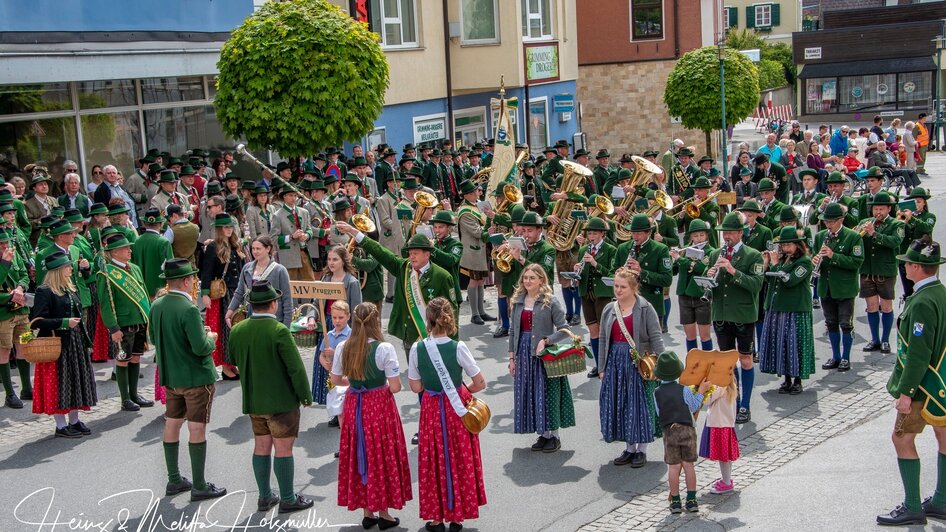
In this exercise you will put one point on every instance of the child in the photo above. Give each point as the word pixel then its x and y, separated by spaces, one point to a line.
pixel 719 434
pixel 675 406
pixel 335 398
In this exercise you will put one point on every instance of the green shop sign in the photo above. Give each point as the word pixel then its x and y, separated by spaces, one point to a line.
pixel 541 61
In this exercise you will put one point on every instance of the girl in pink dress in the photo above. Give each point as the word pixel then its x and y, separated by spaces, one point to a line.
pixel 719 441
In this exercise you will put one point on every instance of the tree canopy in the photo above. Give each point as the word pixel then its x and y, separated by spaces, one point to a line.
pixel 300 75
pixel 692 91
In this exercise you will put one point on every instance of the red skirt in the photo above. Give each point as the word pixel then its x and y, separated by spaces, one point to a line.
pixel 159 393
pixel 46 390
pixel 100 344
pixel 215 322
pixel 465 463
pixel 387 483
pixel 719 444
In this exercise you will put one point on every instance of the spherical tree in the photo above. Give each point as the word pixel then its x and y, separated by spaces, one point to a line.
pixel 693 94
pixel 300 75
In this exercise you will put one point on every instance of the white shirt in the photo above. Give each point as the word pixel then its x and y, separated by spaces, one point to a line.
pixel 385 358
pixel 464 358
pixel 185 294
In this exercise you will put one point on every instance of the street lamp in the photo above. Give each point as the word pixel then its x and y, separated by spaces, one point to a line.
pixel 937 111
pixel 722 96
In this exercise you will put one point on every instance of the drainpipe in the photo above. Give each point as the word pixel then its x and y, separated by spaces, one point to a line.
pixel 449 75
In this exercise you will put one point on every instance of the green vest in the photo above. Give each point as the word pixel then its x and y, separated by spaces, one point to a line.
pixel 840 275
pixel 374 376
pixel 428 375
pixel 880 250
pixel 736 297
pixel 656 270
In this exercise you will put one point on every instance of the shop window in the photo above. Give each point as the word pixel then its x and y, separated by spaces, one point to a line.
pixel 112 138
pixel 179 129
pixel 867 93
pixel 647 19
pixel 480 21
pixel 48 141
pixel 165 90
pixel 106 93
pixel 538 124
pixel 821 95
pixel 536 20
pixel 914 90
pixel 39 98
pixel 470 125
pixel 395 21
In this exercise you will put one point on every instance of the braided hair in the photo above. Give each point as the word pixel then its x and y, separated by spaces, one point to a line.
pixel 366 325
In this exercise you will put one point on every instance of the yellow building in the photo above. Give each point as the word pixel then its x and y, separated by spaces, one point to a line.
pixel 774 20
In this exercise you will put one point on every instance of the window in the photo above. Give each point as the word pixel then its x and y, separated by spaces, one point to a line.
pixel 913 90
pixel 179 129
pixel 470 125
pixel 395 21
pixel 165 90
pixel 111 139
pixel 866 93
pixel 730 18
pixel 822 95
pixel 40 98
pixel 107 93
pixel 536 19
pixel 479 19
pixel 49 140
pixel 538 124
pixel 762 16
pixel 647 19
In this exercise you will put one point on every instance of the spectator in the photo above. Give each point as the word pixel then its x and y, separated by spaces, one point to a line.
pixel 770 149
pixel 97 176
pixel 851 162
pixel 19 184
pixel 111 188
pixel 839 142
pixel 795 133
pixel 220 169
pixel 922 135
pixel 862 142
pixel 909 145
pixel 73 199
pixel 876 133
pixel 891 132
pixel 814 160
pixel 743 160
pixel 804 146
pixel 882 158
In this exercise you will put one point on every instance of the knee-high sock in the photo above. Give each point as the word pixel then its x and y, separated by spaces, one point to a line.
pixel 835 338
pixel 198 454
pixel 691 344
pixel 748 379
pixel 121 378
pixel 567 296
pixel 133 371
pixel 642 447
pixel 910 475
pixel 73 417
pixel 481 294
pixel 847 340
pixel 706 345
pixel 814 289
pixel 23 367
pixel 6 380
pixel 939 497
pixel 504 311
pixel 594 349
pixel 666 312
pixel 262 467
pixel 886 321
pixel 471 297
pixel 170 460
pixel 576 301
pixel 283 467
pixel 60 420
pixel 873 321
pixel 737 372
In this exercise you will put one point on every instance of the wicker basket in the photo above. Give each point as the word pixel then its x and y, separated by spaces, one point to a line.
pixel 305 338
pixel 565 366
pixel 38 350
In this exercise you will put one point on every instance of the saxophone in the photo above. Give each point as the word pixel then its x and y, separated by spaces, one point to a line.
pixel 562 235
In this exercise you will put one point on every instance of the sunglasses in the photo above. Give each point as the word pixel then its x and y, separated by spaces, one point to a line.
pixel 97 172
pixel 72 169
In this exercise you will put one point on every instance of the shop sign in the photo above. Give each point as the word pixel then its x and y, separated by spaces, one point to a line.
pixel 909 87
pixel 813 53
pixel 857 92
pixel 430 129
pixel 882 89
pixel 563 103
pixel 541 62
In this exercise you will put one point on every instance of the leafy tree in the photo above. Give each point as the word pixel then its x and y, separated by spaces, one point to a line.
pixel 692 91
pixel 771 74
pixel 749 39
pixel 300 75
pixel 782 53
pixel 744 39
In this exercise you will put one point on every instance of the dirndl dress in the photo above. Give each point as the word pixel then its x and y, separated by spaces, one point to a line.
pixel 449 463
pixel 216 320
pixel 627 410
pixel 719 443
pixel 540 404
pixel 320 379
pixel 787 346
pixel 373 468
pixel 68 383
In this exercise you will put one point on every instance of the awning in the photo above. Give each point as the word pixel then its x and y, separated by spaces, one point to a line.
pixel 872 66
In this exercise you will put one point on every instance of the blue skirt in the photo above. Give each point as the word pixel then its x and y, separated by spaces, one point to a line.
pixel 625 412
pixel 319 377
pixel 787 345
pixel 529 397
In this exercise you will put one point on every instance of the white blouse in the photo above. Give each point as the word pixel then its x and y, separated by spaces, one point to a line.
pixel 464 358
pixel 385 357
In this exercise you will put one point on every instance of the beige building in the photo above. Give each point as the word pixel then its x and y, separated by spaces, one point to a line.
pixel 774 20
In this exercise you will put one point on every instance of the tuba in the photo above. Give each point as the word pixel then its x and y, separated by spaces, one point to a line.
pixel 511 194
pixel 662 202
pixel 562 235
pixel 425 200
pixel 602 207
pixel 644 172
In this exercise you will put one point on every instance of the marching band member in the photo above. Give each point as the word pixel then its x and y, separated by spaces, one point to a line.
pixel 774 172
pixel 392 235
pixel 258 214
pixel 342 212
pixel 542 405
pixel 434 177
pixel 838 258
pixel 916 225
pixel 709 210
pixel 352 188
pixel 809 197
pixel 628 324
pixel 787 345
pixel 537 251
pixel 14 320
pixel 508 281
pixel 771 207
pixel 738 271
pixel 168 195
pixel 603 172
pixel 151 250
pixel 694 311
pixel 448 251
pixel 835 184
pixel 187 187
pixel 882 237
pixel 875 184
pixel 472 227
pixel 650 257
pixel 666 234
pixel 385 168
pixel 450 469
pixel 262 267
pixel 597 256
pixel 290 231
pixel 223 261
pixel 41 203
pixel 682 173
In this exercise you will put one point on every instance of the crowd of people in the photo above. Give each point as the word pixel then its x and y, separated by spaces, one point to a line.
pixel 180 245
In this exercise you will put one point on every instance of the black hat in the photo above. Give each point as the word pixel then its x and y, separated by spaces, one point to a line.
pixel 153 216
pixel 263 292
pixel 176 269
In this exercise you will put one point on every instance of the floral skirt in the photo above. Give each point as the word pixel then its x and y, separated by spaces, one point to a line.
pixel 320 377
pixel 373 469
pixel 539 403
pixel 787 346
pixel 449 463
pixel 627 410
pixel 68 383
pixel 719 443
pixel 215 319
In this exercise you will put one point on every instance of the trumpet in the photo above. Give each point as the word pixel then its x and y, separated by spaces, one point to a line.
pixel 862 227
pixel 502 257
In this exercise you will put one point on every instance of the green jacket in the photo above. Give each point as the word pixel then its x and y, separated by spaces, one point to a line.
pixel 12 274
pixel 667 229
pixel 82 203
pixel 374 284
pixel 777 174
pixel 736 297
pixel 80 278
pixel 272 375
pixel 602 176
pixel 793 294
pixel 591 276
pixel 656 269
pixel 709 213
pixel 771 217
pixel 435 282
pixel 125 311
pixel 181 346
pixel 759 238
pixel 687 269
pixel 921 341
pixel 919 225
pixel 543 254
pixel 880 250
pixel 841 274
pixel 446 254
pixel 149 252
pixel 865 211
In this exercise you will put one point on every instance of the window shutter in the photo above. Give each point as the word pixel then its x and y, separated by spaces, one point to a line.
pixel 750 16
pixel 733 16
pixel 775 18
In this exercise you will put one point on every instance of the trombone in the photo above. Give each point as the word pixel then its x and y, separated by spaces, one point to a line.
pixel 692 208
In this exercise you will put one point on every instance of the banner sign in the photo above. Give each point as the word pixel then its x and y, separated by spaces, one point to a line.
pixel 541 60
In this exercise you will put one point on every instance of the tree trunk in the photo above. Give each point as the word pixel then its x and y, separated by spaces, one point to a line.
pixel 709 142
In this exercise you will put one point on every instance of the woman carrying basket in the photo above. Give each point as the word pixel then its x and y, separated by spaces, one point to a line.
pixel 542 405
pixel 66 385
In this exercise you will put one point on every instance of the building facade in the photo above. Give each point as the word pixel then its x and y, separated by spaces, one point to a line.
pixel 773 20
pixel 83 81
pixel 626 50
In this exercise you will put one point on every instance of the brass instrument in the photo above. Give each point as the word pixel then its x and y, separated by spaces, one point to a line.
pixel 365 224
pixel 562 235
pixel 902 216
pixel 502 257
pixel 511 194
pixel 241 149
pixel 862 227
pixel 644 172
pixel 482 177
pixel 803 212
pixel 425 200
pixel 602 207
pixel 662 201
pixel 692 207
